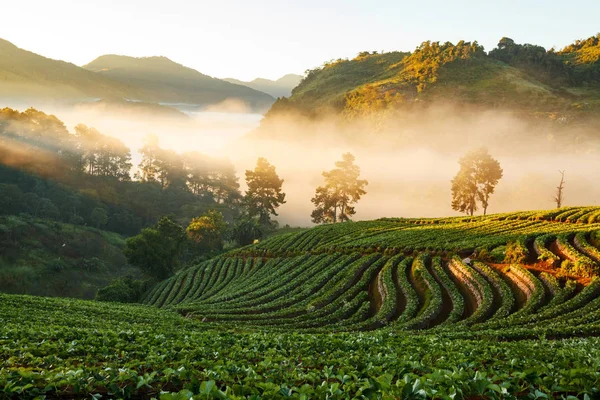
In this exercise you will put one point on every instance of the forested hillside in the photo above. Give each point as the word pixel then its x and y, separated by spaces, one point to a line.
pixel 68 200
pixel 85 177
pixel 48 258
pixel 560 86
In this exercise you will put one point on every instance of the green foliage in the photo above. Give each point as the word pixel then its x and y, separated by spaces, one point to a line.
pixel 422 67
pixel 516 252
pixel 122 290
pixel 155 251
pixel 246 230
pixel 10 198
pixel 47 258
pixel 582 60
pixel 174 357
pixel 98 217
pixel 207 231
pixel 556 88
pixel 363 309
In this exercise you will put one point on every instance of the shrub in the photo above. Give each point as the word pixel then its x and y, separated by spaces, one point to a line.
pixel 515 253
pixel 122 290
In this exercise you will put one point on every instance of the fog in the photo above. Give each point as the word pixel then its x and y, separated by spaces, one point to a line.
pixel 409 164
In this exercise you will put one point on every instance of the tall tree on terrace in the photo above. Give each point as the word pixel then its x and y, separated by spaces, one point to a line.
pixel 343 188
pixel 264 193
pixel 475 181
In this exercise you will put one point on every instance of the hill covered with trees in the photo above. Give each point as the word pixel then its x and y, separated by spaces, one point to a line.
pixel 556 86
pixel 69 200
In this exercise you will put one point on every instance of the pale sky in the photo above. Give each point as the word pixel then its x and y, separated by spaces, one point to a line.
pixel 246 39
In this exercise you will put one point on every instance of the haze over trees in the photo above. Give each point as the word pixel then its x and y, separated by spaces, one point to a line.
pixel 334 201
pixel 475 182
pixel 84 177
pixel 264 194
pixel 550 88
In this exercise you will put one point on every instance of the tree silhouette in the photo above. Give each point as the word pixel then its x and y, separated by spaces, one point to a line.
pixel 335 200
pixel 264 194
pixel 475 181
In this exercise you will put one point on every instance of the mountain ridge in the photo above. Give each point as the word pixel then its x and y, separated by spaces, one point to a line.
pixel 281 87
pixel 26 76
pixel 558 87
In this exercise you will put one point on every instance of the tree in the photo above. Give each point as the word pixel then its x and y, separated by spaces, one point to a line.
pixel 10 198
pixel 99 217
pixel 334 201
pixel 207 231
pixel 475 181
pixel 155 250
pixel 559 190
pixel 246 230
pixel 264 193
pixel 102 155
pixel 148 167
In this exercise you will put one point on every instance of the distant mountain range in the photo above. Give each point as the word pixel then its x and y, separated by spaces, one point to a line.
pixel 27 76
pixel 282 87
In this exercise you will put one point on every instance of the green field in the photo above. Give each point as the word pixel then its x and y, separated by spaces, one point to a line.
pixel 500 306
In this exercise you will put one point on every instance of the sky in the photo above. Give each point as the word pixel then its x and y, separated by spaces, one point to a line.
pixel 245 39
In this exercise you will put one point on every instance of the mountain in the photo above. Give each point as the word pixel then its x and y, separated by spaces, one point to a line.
pixel 521 78
pixel 26 75
pixel 282 87
pixel 165 81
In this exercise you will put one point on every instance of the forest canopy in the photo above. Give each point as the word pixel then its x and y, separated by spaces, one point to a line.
pixel 85 177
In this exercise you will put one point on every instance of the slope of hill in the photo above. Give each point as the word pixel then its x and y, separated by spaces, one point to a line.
pixel 404 274
pixel 27 75
pixel 168 82
pixel 248 322
pixel 524 79
pixel 49 258
pixel 282 87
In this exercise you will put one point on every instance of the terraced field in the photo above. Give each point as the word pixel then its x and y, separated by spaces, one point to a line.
pixel 498 307
pixel 514 274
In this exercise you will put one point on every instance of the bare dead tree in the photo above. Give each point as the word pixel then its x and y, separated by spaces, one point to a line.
pixel 559 190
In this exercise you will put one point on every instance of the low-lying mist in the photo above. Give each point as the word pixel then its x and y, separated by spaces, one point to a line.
pixel 409 160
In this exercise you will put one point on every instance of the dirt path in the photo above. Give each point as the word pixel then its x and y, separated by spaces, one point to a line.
pixel 542 267
pixel 468 295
